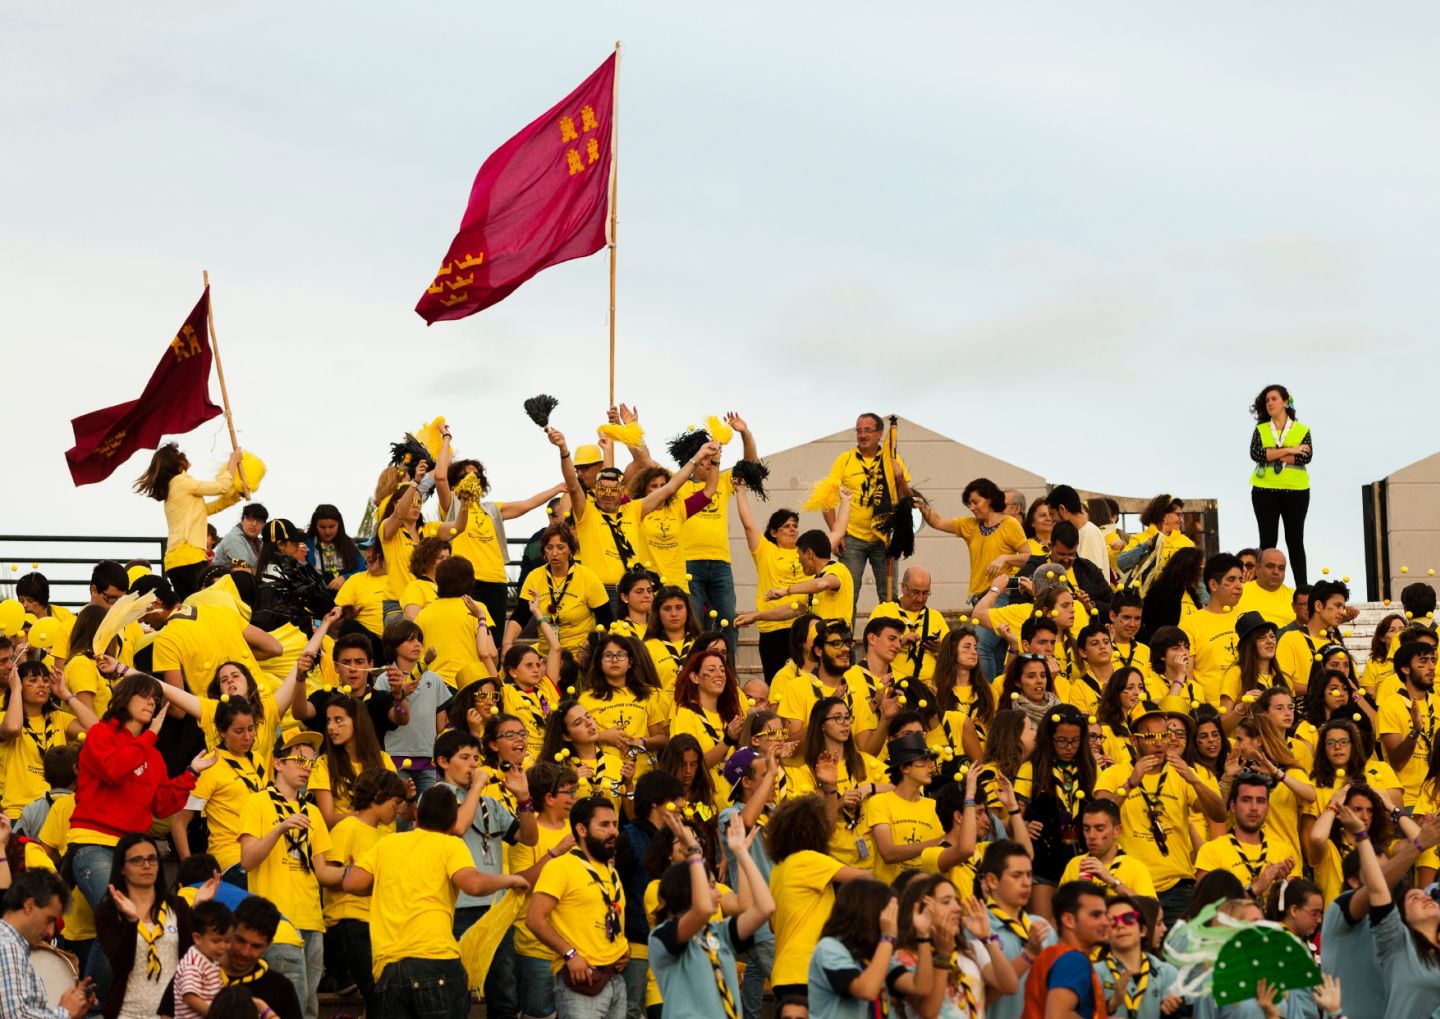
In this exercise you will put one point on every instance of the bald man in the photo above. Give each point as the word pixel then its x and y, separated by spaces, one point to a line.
pixel 924 626
pixel 1268 594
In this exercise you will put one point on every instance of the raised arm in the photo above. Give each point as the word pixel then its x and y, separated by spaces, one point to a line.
pixel 293 689
pixel 567 472
pixel 754 890
pixel 403 502
pixel 511 510
pixel 842 519
pixel 742 507
pixel 181 698
pixel 442 471
pixel 654 500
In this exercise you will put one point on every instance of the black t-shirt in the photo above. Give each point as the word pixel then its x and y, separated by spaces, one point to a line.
pixel 378 703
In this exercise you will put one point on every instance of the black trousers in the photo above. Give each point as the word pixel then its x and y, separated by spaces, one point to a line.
pixel 1272 505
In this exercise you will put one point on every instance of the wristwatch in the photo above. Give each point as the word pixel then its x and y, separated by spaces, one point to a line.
pixel 569 955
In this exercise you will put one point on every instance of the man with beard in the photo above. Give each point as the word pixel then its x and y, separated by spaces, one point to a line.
pixel 1408 718
pixel 412 878
pixel 578 912
pixel 1245 851
pixel 836 678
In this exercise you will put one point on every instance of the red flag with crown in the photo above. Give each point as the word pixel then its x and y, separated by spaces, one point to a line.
pixel 175 400
pixel 542 198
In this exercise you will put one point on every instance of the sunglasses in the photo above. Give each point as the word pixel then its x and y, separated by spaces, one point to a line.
pixel 1126 919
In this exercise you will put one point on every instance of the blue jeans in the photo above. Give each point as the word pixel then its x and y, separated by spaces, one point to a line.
pixel 423 989
pixel 501 999
pixel 992 646
pixel 537 995
pixel 608 1004
pixel 856 555
pixel 303 968
pixel 423 778
pixel 352 942
pixel 91 866
pixel 759 962
pixel 712 586
pixel 636 971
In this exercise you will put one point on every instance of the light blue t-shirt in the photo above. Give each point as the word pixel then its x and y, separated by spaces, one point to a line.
pixel 416 738
pixel 832 968
pixel 1157 988
pixel 485 838
pixel 1413 988
pixel 1347 950
pixel 684 973
pixel 757 853
pixel 1011 1005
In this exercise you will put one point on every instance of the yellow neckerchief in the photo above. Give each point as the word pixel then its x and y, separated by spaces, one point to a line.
pixel 1155 809
pixel 1253 869
pixel 677 655
pixel 613 923
pixel 534 705
pixel 251 779
pixel 249 978
pixel 151 934
pixel 1066 787
pixel 1018 927
pixel 1127 660
pixel 842 690
pixel 960 980
pixel 1138 982
pixel 43 740
pixel 710 945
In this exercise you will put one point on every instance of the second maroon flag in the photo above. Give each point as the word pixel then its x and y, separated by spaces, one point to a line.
pixel 540 199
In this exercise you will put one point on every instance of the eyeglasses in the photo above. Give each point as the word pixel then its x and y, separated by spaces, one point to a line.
pixel 837 642
pixel 300 759
pixel 569 790
pixel 839 718
pixel 1126 919
pixel 615 656
pixel 488 697
pixel 918 592
pixel 512 734
pixel 1152 737
pixel 1066 741
pixel 772 733
pixel 1335 743
pixel 607 489
pixel 143 861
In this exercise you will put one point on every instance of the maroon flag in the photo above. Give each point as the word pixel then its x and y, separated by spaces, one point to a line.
pixel 540 199
pixel 175 400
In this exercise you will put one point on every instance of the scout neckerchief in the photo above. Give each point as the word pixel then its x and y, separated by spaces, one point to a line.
pixel 249 978
pixel 1066 788
pixel 1092 683
pixel 1154 808
pixel 598 776
pixel 710 945
pixel 623 547
pixel 45 739
pixel 1126 660
pixel 556 597
pixel 1427 732
pixel 534 704
pixel 710 730
pixel 1253 869
pixel 872 483
pixel 677 655
pixel 872 685
pixel 250 780
pixel 150 934
pixel 916 651
pixel 612 907
pixel 1020 928
pixel 961 980
pixel 1133 989
pixel 842 690
pixel 298 839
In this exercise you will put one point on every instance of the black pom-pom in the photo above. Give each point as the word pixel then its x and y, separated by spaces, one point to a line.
pixel 753 475
pixel 408 454
pixel 900 530
pixel 539 408
pixel 685 445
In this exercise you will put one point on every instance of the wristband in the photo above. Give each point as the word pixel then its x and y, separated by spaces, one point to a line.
pixel 887 939
pixel 566 456
pixel 923 941
pixel 969 802
pixel 1029 959
pixel 191 769
pixel 267 1013
pixel 570 955
pixel 1361 836
pixel 695 858
pixel 526 806
pixel 1418 847
pixel 991 939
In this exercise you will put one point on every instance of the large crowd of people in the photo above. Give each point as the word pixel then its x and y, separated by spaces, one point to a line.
pixel 292 765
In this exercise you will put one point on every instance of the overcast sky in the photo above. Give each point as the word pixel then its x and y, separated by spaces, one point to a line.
pixel 1079 238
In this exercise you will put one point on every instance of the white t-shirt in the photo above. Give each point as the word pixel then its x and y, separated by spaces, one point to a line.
pixel 1092 547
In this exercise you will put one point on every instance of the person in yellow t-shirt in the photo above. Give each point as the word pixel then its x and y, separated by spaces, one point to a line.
pixel 1103 862
pixel 861 471
pixel 924 627
pixel 834 677
pixel 483 539
pixel 607 527
pixel 577 910
pixel 705 536
pixel 286 860
pixel 351 748
pixel 828 586
pixel 802 883
pixel 1255 668
pixel 1382 645
pixel 1259 745
pixel 621 695
pixel 1246 851
pixel 996 541
pixel 378 797
pixel 777 567
pixel 167 480
pixel 670 634
pixel 663 511
pixel 529 692
pixel 220 792
pixel 1299 648
pixel 399 529
pixel 1211 630
pixel 428 554
pixel 903 822
pixel 1340 761
pixel 1267 593
pixel 455 624
pixel 32 724
pixel 413 879
pixel 1126 650
pixel 553 789
pixel 1408 719
pixel 566 594
pixel 829 760
pixel 195 639
pixel 363 595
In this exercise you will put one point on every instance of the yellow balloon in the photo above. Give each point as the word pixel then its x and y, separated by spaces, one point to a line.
pixel 44 633
pixel 12 617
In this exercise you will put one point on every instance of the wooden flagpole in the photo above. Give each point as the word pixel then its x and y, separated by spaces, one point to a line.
pixel 614 218
pixel 220 371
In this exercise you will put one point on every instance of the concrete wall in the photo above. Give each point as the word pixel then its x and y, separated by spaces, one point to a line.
pixel 939 466
pixel 1413 493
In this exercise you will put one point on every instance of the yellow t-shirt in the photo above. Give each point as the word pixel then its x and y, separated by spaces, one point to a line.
pixel 1083 691
pixel 366 593
pixel 1230 683
pixel 572 602
pixel 632 717
pixel 802 694
pixel 663 528
pixel 282 877
pixel 1173 799
pixel 1276 606
pixel 1394 717
pixel 1129 871
pixel 187 513
pixel 1134 654
pixel 197 640
pixel 520 858
pixel 839 603
pixel 850 841
pixel 926 622
pixel 412 906
pixel 668 658
pixel 220 793
pixel 1245 861
pixel 267 726
pixel 1378 775
pixel 804 896
pixel 55 832
pixel 532 707
pixel 450 629
pixel 709 729
pixel 776 567
pixel 397 548
pixel 597 540
pixel 1008 538
pixel 584 893
pixel 1212 649
pixel 481 545
pixel 420 591
pixel 865 478
pixel 1379 677
pixel 1282 822
pixel 350 840
pixel 910 824
pixel 706 535
pixel 22 760
pixel 1295 658
pixel 1015 616
pixel 320 782
pixel 83 676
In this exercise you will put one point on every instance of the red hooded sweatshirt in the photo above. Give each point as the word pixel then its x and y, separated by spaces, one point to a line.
pixel 122 784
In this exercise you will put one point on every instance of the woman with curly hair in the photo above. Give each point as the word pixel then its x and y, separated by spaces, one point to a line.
pixel 426 556
pixel 1340 760
pixel 1329 843
pixel 1174 594
pixel 572 739
pixel 663 511
pixel 709 706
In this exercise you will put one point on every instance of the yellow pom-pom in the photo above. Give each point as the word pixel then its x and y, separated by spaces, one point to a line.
pixel 570 690
pixel 1054 613
pixel 719 431
pixel 599 627
pixel 1386 602
pixel 1345 580
pixel 724 623
pixel 687 578
pixel 1409 614
pixel 1356 716
pixel 1249 698
pixel 824 495
pixel 626 435
pixel 561 754
pixel 1404 569
pixel 670 806
pixel 224 698
pixel 1325 569
pixel 1093 720
pixel 1430 573
pixel 964 620
pixel 1227 608
pixel 924 703
pixel 713 614
pixel 1345 632
pixel 406 763
pixel 794 604
pixel 1055 718
pixel 80 736
pixel 1049 574
pixel 1317 656
pixel 1038 614
pixel 1015 696
pixel 14 568
pixel 36 566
